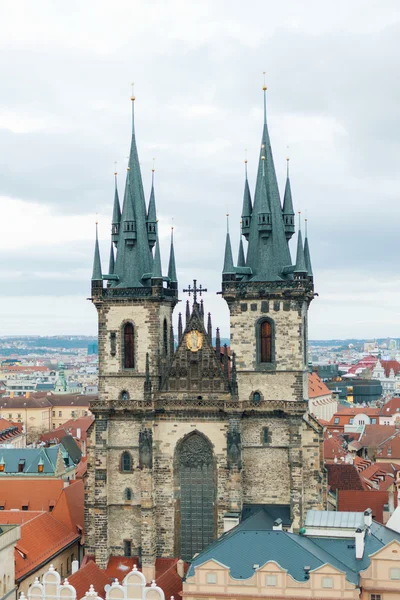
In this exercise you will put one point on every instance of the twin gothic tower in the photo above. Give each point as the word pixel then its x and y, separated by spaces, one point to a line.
pixel 187 436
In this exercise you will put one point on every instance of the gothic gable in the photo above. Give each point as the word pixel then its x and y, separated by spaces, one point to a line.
pixel 195 366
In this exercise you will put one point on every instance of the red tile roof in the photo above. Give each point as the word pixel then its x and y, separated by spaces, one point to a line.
pixel 69 428
pixel 38 494
pixel 391 407
pixel 374 435
pixel 18 517
pixel 87 575
pixel 167 577
pixel 69 507
pixel 390 364
pixel 119 566
pixel 333 448
pixel 344 477
pixel 357 500
pixel 81 468
pixel 54 537
pixel 316 387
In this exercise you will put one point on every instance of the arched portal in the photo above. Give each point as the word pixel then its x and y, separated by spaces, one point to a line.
pixel 196 489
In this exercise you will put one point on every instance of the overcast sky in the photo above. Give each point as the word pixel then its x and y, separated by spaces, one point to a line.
pixel 333 106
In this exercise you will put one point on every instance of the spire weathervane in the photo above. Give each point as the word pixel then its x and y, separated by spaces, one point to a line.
pixel 194 290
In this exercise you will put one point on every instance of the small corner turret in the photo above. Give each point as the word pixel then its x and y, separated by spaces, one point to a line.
pixel 287 211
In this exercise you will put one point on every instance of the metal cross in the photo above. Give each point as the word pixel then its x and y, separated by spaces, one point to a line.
pixel 194 290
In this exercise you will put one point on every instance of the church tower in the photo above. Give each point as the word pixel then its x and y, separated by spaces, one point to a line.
pixel 188 434
pixel 268 299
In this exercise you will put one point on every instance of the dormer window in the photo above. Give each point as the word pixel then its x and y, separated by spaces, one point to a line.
pixel 21 465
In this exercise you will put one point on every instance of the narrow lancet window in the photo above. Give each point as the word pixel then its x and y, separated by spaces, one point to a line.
pixel 266 342
pixel 129 346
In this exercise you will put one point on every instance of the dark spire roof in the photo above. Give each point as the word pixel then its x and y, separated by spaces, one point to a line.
pixel 111 264
pixel 228 258
pixel 116 218
pixel 307 256
pixel 96 275
pixel 157 272
pixel 300 259
pixel 287 211
pixel 247 206
pixel 171 266
pixel 241 262
pixel 268 251
pixel 151 213
pixel 134 256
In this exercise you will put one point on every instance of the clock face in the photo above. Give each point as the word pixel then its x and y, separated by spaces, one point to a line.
pixel 194 340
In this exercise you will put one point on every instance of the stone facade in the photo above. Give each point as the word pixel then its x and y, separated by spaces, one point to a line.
pixel 188 393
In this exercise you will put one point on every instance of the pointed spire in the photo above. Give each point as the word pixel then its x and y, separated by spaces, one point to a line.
pixel 268 250
pixel 187 312
pixel 116 217
pixel 209 328
pixel 241 261
pixel 111 264
pixel 96 275
pixel 152 214
pixel 157 271
pixel 229 268
pixel 171 266
pixel 180 328
pixel 307 256
pixel 247 208
pixel 218 344
pixel 300 267
pixel 287 211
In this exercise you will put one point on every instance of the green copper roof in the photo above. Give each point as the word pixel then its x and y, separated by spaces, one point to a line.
pixel 247 207
pixel 111 263
pixel 134 256
pixel 267 255
pixel 116 218
pixel 171 267
pixel 151 213
pixel 287 199
pixel 241 259
pixel 300 260
pixel 157 271
pixel 96 275
pixel 228 259
pixel 307 257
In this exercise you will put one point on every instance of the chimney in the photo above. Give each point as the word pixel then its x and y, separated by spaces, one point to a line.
pixel 74 566
pixel 231 519
pixel 368 517
pixel 359 539
pixel 277 526
pixel 78 433
pixel 180 568
pixel 66 483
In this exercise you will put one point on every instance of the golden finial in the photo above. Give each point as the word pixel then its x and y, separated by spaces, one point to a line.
pixel 115 168
pixel 265 85
pixel 245 156
pixel 263 157
pixel 133 95
pixel 128 167
pixel 154 168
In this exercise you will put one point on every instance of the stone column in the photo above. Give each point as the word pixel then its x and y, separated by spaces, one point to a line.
pixel 296 474
pixel 148 524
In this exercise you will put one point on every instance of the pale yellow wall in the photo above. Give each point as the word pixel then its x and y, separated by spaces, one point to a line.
pixel 376 579
pixel 60 564
pixel 256 586
pixel 62 414
pixel 33 418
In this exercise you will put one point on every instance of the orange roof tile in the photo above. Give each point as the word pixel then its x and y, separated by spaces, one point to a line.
pixel 118 567
pixel 360 500
pixel 87 575
pixel 316 387
pixel 54 537
pixel 40 494
pixel 18 517
pixel 81 468
pixel 69 507
pixel 167 577
pixel 374 435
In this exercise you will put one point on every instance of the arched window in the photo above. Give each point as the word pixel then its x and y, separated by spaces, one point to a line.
pixel 128 494
pixel 126 462
pixel 256 398
pixel 129 346
pixel 165 337
pixel 266 342
pixel 124 395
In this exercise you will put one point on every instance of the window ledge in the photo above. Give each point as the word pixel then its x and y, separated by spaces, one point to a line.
pixel 266 366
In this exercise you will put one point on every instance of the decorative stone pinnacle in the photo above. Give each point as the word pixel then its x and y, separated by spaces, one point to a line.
pixel 51 568
pixel 153 583
pixel 134 567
